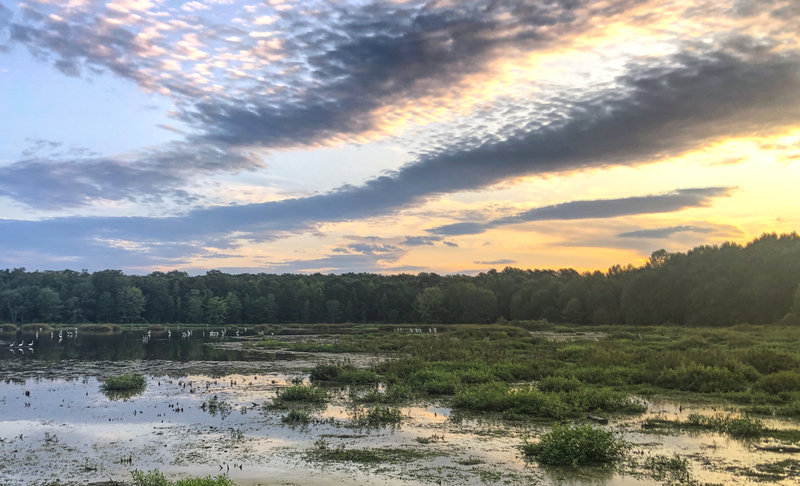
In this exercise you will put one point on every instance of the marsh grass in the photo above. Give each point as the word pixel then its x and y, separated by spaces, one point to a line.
pixel 342 372
pixel 665 468
pixel 301 393
pixel 737 427
pixel 322 451
pixel 376 417
pixel 157 478
pixel 124 383
pixel 497 397
pixel 296 418
pixel 100 328
pixel 576 446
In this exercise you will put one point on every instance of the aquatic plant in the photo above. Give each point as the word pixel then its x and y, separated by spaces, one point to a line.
pixel 126 382
pixel 324 452
pixel 157 478
pixel 214 405
pixel 575 446
pixel 296 417
pixel 379 416
pixel 342 372
pixel 302 393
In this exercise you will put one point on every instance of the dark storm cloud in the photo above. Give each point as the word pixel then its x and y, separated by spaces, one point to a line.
pixel 659 233
pixel 599 208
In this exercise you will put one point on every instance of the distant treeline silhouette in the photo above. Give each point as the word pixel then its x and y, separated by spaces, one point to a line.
pixel 709 285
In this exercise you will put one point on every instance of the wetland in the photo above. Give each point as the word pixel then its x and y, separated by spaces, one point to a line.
pixel 400 404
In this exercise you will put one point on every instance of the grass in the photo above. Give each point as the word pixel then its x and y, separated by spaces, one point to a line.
pixel 322 451
pixel 301 393
pixel 100 328
pixel 216 406
pixel 126 382
pixel 576 446
pixel 665 468
pixel 737 427
pixel 342 372
pixel 496 397
pixel 375 417
pixel 157 478
pixel 296 417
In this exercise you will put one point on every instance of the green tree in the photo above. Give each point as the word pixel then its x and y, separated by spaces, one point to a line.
pixel 216 310
pixel 130 304
pixel 431 305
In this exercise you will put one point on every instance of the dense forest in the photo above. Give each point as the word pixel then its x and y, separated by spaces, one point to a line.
pixel 709 285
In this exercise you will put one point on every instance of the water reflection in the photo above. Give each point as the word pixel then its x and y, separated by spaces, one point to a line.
pixel 121 346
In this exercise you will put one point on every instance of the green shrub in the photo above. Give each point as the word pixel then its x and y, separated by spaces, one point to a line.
pixel 782 381
pixel 576 446
pixel 127 382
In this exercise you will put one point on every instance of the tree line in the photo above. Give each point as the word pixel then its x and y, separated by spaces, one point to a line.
pixel 708 285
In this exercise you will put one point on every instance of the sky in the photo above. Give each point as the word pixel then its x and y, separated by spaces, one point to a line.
pixel 392 136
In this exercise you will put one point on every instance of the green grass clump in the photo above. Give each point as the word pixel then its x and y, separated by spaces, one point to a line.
pixel 126 382
pixel 323 452
pixel 380 416
pixel 576 446
pixel 157 478
pixel 664 468
pixel 296 417
pixel 497 397
pixel 271 344
pixel 736 427
pixel 392 394
pixel 302 393
pixel 344 373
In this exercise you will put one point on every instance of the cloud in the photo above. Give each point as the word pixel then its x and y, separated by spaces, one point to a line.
pixel 660 233
pixel 502 261
pixel 653 113
pixel 598 208
pixel 421 240
pixel 56 183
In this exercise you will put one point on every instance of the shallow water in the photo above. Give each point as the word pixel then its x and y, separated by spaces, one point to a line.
pixel 57 424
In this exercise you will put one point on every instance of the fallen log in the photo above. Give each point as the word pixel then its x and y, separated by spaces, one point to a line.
pixel 595 418
pixel 777 448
